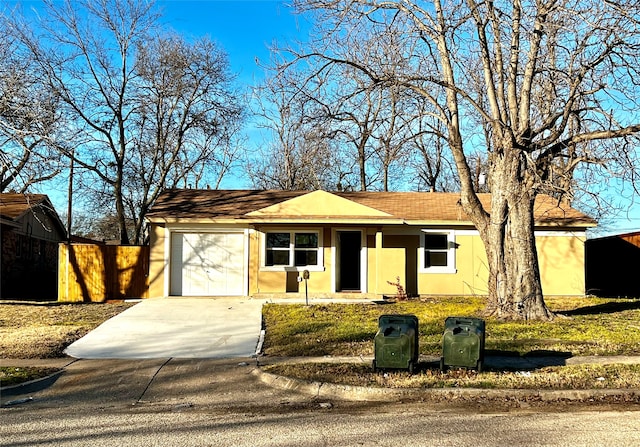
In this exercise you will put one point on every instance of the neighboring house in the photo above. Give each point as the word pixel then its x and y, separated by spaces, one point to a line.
pixel 30 231
pixel 257 243
pixel 612 265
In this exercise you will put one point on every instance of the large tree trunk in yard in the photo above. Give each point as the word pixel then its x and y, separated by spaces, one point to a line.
pixel 514 285
pixel 515 290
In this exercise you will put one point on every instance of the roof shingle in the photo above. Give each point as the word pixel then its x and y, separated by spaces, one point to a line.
pixel 14 205
pixel 179 204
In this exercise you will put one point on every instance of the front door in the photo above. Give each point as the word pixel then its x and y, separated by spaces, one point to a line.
pixel 348 272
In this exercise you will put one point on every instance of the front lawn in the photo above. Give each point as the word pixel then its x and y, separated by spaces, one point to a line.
pixel 584 326
pixel 44 329
pixel 40 330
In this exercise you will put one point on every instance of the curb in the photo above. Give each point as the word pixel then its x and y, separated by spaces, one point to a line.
pixel 31 386
pixel 361 393
pixel 36 384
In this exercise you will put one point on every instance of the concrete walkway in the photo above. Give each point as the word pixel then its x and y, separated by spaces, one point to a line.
pixel 187 328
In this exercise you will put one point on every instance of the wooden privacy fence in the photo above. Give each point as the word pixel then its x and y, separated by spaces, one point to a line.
pixel 97 273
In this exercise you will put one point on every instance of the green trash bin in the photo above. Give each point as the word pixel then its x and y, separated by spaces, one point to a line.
pixel 396 342
pixel 463 343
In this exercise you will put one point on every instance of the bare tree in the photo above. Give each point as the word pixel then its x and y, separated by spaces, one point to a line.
pixel 188 121
pixel 393 133
pixel 559 82
pixel 298 154
pixel 368 123
pixel 30 122
pixel 151 110
pixel 354 116
pixel 432 166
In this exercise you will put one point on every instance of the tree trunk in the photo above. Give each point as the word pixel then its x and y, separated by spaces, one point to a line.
pixel 362 165
pixel 515 288
pixel 120 209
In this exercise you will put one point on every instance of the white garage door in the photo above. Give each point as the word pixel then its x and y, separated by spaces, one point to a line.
pixel 207 264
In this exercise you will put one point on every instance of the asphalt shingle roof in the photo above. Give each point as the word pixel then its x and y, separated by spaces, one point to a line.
pixel 14 205
pixel 188 204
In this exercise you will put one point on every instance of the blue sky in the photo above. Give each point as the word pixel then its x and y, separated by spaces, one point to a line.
pixel 244 28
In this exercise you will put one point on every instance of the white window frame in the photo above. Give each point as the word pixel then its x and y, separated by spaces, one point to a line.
pixel 319 267
pixel 451 252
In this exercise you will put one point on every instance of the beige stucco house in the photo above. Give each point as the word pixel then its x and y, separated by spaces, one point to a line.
pixel 259 243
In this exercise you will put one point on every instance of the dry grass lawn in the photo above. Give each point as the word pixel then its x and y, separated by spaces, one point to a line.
pixel 44 330
pixel 584 327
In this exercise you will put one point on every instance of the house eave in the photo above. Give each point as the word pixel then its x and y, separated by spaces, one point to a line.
pixel 191 221
pixel 324 220
pixel 306 220
pixel 9 222
pixel 438 223
pixel 574 225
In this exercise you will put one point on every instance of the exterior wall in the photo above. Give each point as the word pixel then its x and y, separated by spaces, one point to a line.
pixel 262 281
pixel 471 273
pixel 29 257
pixel 254 262
pixel 399 263
pixel 561 260
pixel 160 252
pixel 157 262
pixel 561 265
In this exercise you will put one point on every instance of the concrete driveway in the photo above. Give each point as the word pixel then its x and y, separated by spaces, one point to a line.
pixel 176 328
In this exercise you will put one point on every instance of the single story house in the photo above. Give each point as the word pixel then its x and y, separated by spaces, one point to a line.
pixel 30 230
pixel 612 265
pixel 260 243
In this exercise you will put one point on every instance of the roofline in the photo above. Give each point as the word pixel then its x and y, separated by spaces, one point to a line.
pixel 345 221
pixel 51 211
pixel 9 221
pixel 278 220
pixel 44 202
pixel 326 220
pixel 617 235
pixel 200 220
pixel 32 201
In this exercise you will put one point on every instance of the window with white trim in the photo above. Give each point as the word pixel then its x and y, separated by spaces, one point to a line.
pixel 437 251
pixel 292 249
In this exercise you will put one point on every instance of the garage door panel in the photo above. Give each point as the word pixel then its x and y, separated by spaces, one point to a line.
pixel 210 264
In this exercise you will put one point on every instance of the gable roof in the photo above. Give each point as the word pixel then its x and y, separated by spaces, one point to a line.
pixel 255 206
pixel 14 206
pixel 311 205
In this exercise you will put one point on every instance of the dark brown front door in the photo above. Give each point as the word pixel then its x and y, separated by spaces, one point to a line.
pixel 349 249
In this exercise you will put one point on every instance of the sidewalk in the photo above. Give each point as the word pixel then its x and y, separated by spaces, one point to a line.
pixel 110 382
